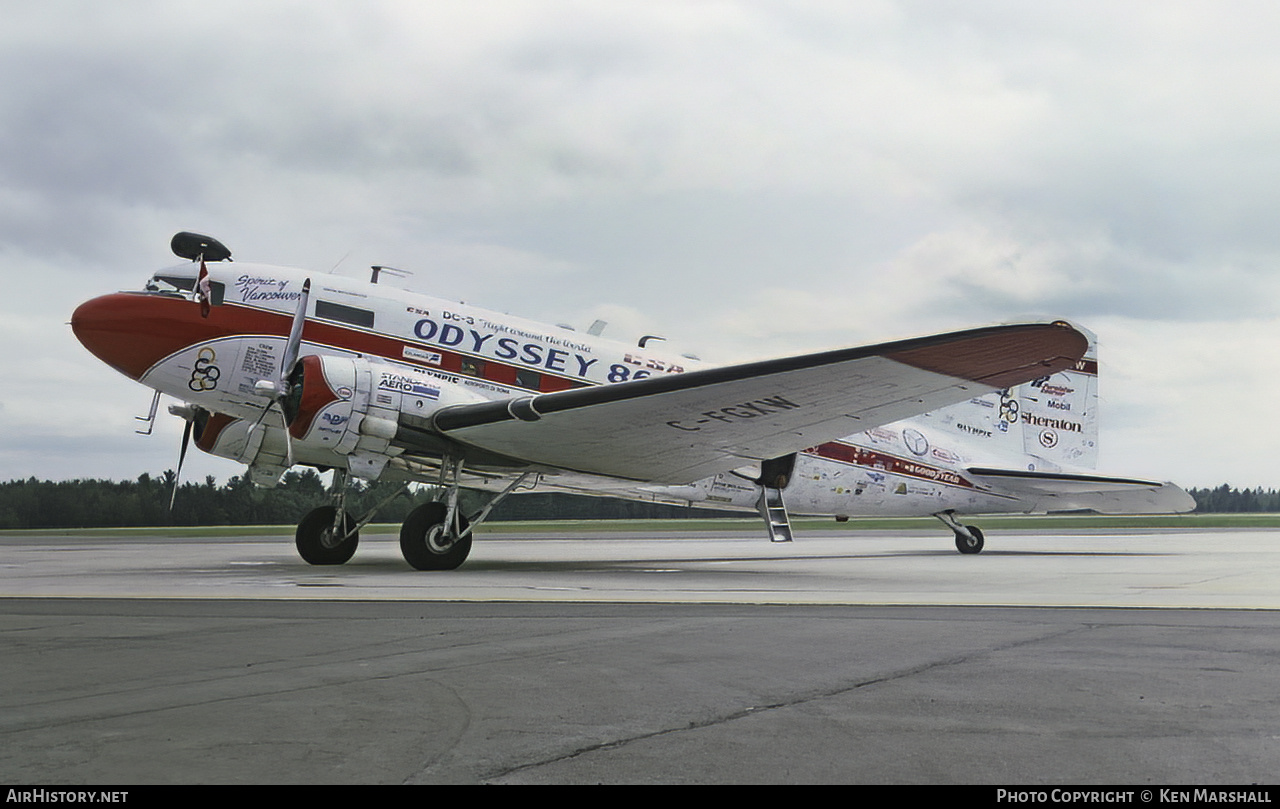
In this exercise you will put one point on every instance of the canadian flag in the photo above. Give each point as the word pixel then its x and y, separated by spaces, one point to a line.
pixel 204 293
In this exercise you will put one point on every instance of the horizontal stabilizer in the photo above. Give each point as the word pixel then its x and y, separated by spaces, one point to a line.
pixel 1057 491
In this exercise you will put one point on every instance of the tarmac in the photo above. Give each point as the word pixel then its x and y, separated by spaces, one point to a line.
pixel 1141 658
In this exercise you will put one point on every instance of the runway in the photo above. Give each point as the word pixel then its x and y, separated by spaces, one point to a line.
pixel 1141 658
pixel 1173 568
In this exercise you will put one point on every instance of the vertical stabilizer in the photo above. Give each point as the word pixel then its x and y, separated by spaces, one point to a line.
pixel 1059 413
pixel 1046 424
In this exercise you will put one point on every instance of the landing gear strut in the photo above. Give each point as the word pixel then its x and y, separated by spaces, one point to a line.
pixel 437 536
pixel 328 535
pixel 969 538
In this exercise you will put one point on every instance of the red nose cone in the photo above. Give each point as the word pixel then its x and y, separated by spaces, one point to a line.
pixel 132 332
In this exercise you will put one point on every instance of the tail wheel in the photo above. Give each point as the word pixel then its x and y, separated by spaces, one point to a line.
pixel 969 544
pixel 319 545
pixel 426 542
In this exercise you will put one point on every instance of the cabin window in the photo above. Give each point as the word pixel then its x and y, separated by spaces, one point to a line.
pixel 472 367
pixel 344 314
pixel 528 379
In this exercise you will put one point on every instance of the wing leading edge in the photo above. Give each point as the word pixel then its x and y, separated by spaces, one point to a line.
pixel 684 427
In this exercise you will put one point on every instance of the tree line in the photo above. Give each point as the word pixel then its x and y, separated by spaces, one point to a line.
pixel 36 503
pixel 1226 500
pixel 33 503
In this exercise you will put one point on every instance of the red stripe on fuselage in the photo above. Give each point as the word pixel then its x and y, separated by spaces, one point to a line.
pixel 132 331
pixel 892 464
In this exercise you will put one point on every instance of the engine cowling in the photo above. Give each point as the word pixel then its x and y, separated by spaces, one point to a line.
pixel 263 449
pixel 353 406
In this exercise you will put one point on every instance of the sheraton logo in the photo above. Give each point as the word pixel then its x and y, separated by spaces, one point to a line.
pixel 1055 424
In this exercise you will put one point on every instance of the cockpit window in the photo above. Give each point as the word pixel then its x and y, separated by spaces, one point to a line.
pixel 183 285
pixel 169 283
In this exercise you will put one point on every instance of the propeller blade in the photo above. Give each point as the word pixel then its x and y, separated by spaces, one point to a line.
pixel 288 439
pixel 182 456
pixel 276 391
pixel 294 344
pixel 258 422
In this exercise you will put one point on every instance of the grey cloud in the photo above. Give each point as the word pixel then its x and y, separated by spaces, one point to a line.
pixel 898 166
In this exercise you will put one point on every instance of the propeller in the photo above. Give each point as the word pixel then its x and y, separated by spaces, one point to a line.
pixel 278 389
pixel 190 414
pixel 182 456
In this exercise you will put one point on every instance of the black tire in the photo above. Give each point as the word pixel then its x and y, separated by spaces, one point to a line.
pixel 966 545
pixel 420 539
pixel 316 542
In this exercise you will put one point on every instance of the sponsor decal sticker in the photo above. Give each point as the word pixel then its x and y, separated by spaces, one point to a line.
pixel 429 357
pixel 1052 423
pixel 915 441
pixel 404 384
pixel 204 375
pixel 1056 390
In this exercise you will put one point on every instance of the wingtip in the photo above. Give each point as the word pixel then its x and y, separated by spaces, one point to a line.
pixel 1003 356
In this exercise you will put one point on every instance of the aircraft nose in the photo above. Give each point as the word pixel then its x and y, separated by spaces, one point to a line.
pixel 114 330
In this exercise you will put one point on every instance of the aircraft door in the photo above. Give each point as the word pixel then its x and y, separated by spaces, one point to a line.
pixel 776 473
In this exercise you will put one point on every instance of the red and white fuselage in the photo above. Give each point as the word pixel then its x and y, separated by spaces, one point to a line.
pixel 380 362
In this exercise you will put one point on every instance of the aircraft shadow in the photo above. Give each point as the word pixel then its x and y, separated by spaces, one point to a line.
pixel 673 564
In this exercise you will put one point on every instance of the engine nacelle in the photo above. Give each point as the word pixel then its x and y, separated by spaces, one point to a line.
pixel 263 448
pixel 352 406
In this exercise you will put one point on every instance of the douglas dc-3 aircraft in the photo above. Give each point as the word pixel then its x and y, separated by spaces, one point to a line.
pixel 277 366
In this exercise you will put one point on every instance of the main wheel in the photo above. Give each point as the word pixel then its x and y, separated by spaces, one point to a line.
pixel 316 541
pixel 966 545
pixel 425 542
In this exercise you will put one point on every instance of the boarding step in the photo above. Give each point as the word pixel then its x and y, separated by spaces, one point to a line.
pixel 774 512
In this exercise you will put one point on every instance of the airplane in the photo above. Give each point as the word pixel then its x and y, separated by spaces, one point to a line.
pixel 276 366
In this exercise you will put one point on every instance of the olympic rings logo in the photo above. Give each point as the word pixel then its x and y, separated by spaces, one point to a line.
pixel 204 376
pixel 1008 408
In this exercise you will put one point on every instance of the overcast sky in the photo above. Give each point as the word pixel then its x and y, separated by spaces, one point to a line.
pixel 747 178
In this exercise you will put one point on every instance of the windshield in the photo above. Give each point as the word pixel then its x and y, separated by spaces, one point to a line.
pixel 163 282
pixel 166 283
